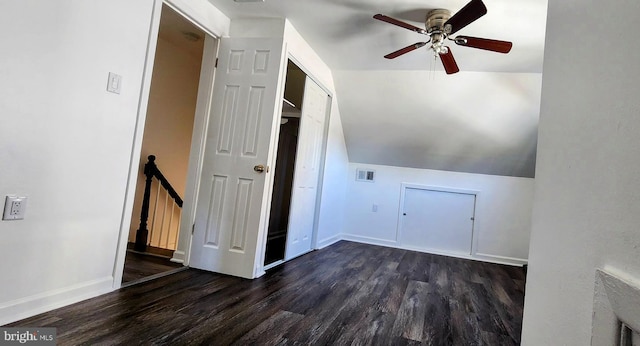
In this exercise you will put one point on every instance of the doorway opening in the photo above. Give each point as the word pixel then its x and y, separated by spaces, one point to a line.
pixel 166 144
pixel 285 165
pixel 298 168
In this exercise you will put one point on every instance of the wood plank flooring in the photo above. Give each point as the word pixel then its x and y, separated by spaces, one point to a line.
pixel 346 294
pixel 138 266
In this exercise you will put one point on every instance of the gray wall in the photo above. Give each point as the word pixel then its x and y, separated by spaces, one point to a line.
pixel 587 193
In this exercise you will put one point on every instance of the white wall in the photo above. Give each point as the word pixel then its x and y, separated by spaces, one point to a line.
pixel 587 193
pixel 66 143
pixel 331 220
pixel 503 208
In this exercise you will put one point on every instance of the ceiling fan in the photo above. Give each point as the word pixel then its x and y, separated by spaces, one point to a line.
pixel 440 25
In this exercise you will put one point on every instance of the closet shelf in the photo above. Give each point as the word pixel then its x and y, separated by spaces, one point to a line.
pixel 289 108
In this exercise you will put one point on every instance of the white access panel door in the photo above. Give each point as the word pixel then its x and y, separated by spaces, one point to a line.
pixel 437 221
pixel 307 170
pixel 231 192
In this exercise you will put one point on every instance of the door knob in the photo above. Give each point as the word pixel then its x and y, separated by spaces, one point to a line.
pixel 259 168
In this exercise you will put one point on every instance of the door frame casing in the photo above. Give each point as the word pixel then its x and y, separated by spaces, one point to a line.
pixel 196 154
pixel 215 30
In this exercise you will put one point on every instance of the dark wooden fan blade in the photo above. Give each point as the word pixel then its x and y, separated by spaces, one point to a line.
pixel 468 14
pixel 449 62
pixel 484 43
pixel 401 24
pixel 405 50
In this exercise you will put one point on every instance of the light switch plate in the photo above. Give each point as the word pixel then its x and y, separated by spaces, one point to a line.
pixel 14 208
pixel 115 83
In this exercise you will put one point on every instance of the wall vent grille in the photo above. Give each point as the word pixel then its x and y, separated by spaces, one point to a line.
pixel 367 175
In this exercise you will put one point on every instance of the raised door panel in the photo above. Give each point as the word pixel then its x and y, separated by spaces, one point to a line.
pixel 307 170
pixel 231 193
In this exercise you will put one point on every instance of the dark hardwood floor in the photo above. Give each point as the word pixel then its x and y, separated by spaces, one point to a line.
pixel 138 266
pixel 348 293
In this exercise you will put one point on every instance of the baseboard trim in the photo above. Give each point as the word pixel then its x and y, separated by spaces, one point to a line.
pixel 22 308
pixel 154 276
pixel 271 265
pixel 329 241
pixel 477 257
pixel 370 240
pixel 178 257
pixel 503 259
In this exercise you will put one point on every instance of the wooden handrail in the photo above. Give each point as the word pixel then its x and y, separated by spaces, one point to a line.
pixel 151 170
pixel 166 185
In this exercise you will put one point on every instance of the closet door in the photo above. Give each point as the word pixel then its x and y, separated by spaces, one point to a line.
pixel 307 170
pixel 437 221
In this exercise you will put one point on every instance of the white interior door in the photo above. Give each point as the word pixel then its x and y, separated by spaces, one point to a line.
pixel 231 191
pixel 437 221
pixel 307 170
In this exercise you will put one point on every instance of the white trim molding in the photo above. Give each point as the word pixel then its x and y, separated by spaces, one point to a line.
pixel 512 261
pixel 370 240
pixel 18 309
pixel 616 307
pixel 134 159
pixel 500 259
pixel 328 241
pixel 178 256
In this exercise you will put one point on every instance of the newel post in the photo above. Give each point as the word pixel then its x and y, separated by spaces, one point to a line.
pixel 143 233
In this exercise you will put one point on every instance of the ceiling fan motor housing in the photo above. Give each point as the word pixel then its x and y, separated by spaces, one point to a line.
pixel 436 19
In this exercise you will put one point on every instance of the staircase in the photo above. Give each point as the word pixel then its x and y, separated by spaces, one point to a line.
pixel 160 215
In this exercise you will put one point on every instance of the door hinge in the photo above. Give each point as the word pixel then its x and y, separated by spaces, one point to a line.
pixel 193 228
pixel 216 65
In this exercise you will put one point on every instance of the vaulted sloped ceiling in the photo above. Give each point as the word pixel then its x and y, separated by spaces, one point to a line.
pixel 469 122
pixel 406 111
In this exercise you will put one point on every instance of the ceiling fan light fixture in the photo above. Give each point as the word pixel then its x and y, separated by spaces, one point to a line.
pixel 440 49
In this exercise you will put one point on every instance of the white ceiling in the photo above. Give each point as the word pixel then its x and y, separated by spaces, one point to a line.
pixel 346 36
pixel 181 32
pixel 353 44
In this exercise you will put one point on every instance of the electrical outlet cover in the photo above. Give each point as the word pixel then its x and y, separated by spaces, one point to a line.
pixel 14 208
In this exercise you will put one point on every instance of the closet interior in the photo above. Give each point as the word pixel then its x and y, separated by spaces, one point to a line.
pixel 285 165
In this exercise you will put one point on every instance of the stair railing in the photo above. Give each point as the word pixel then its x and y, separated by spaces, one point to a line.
pixel 163 211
